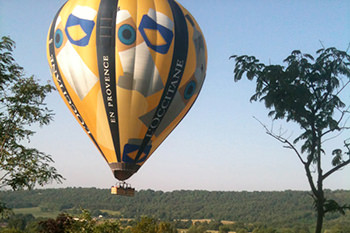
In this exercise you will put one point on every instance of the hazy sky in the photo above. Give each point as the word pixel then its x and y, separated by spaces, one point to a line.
pixel 218 146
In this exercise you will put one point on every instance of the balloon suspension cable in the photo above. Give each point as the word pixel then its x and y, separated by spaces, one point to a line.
pixel 123 189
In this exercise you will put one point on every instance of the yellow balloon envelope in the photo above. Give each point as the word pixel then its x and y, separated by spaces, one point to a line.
pixel 129 71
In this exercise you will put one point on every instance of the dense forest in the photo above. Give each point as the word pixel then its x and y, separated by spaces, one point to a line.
pixel 286 208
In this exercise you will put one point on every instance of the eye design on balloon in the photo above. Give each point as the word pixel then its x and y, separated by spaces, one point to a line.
pixel 189 91
pixel 58 38
pixel 127 34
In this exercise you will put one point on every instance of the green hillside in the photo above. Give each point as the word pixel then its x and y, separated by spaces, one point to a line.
pixel 285 208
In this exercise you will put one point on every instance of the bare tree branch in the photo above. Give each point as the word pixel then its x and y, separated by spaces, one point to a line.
pixel 335 169
pixel 341 129
pixel 283 140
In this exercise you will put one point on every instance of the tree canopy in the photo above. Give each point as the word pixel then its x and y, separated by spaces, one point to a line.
pixel 197 210
pixel 311 93
pixel 22 104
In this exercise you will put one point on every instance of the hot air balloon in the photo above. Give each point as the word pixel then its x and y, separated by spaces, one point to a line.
pixel 129 71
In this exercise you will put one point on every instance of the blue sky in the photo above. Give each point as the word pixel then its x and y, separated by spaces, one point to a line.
pixel 219 145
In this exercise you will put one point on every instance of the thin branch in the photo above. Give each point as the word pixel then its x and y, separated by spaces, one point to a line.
pixel 340 133
pixel 343 113
pixel 321 42
pixel 347 50
pixel 2 146
pixel 343 87
pixel 335 169
pixel 325 97
pixel 6 174
pixel 309 177
pixel 341 130
pixel 282 140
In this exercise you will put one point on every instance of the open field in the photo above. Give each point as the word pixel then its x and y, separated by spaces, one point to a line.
pixel 36 212
pixel 112 212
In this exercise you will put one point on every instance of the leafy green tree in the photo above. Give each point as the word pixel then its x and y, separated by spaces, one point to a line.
pixel 20 221
pixel 151 225
pixel 145 225
pixel 166 227
pixel 108 226
pixel 214 225
pixel 5 212
pixel 83 224
pixel 264 229
pixel 197 229
pixel 340 228
pixel 242 231
pixel 224 229
pixel 21 105
pixel 62 223
pixel 183 224
pixel 309 92
pixel 301 229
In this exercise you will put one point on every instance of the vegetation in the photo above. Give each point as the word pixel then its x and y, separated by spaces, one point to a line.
pixel 247 211
pixel 21 105
pixel 310 93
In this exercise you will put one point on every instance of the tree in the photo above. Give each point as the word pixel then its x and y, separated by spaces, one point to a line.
pixel 146 225
pixel 82 223
pixel 108 226
pixel 308 92
pixel 5 212
pixel 20 221
pixel 197 229
pixel 151 225
pixel 21 105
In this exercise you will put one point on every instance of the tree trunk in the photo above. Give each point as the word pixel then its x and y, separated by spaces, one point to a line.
pixel 320 194
pixel 320 213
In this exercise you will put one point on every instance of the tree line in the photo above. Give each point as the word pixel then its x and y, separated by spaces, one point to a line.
pixel 285 208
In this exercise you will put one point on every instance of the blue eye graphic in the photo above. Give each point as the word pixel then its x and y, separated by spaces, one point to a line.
pixel 86 25
pixel 127 34
pixel 189 90
pixel 58 38
pixel 149 23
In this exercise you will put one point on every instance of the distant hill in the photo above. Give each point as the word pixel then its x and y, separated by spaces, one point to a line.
pixel 278 208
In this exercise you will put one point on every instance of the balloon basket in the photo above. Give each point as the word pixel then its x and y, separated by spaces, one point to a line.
pixel 123 189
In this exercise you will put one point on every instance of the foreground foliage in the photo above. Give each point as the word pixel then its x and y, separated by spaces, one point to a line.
pixel 286 209
pixel 310 92
pixel 84 222
pixel 21 105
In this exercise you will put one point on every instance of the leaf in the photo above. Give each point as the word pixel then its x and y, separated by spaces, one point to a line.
pixel 320 51
pixel 331 206
pixel 309 56
pixel 296 52
pixel 238 75
pixel 271 113
pixel 233 56
pixel 333 125
pixel 250 75
pixel 254 97
pixel 338 157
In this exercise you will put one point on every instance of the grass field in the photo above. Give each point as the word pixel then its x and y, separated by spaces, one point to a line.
pixel 112 212
pixel 36 212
